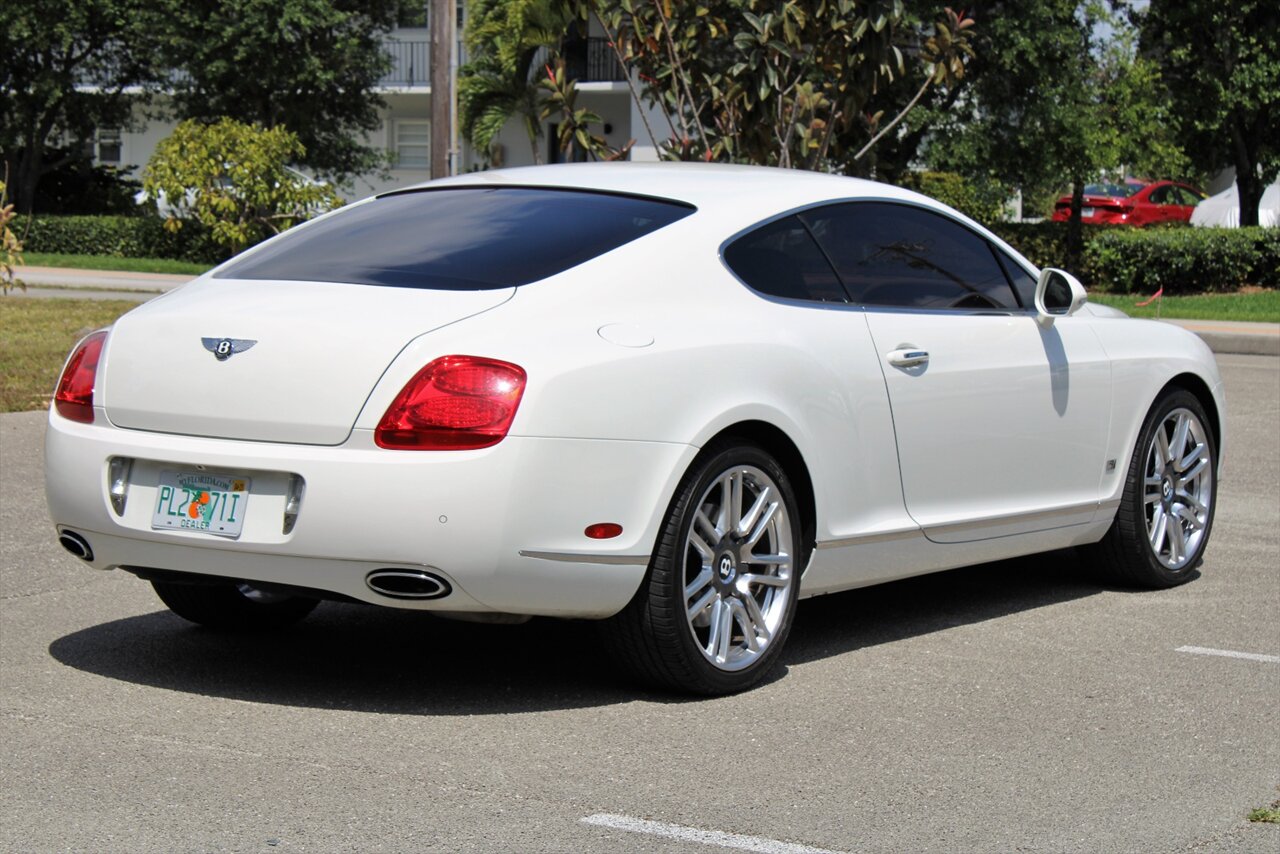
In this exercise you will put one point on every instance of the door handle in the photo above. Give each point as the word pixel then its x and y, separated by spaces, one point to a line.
pixel 907 357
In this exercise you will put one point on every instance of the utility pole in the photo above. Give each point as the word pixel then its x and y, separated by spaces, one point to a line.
pixel 443 25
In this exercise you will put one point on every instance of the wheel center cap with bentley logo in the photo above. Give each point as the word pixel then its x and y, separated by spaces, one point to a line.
pixel 726 568
pixel 224 348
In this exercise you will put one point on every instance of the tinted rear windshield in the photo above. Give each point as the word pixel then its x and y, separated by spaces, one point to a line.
pixel 463 239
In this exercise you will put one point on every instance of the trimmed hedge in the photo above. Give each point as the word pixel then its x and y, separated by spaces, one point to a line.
pixel 122 236
pixel 1185 260
pixel 1181 260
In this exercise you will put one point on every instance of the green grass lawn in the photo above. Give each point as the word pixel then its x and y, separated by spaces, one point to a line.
pixel 1260 306
pixel 111 262
pixel 35 337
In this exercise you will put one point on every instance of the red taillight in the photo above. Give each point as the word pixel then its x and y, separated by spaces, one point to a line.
pixel 74 397
pixel 456 403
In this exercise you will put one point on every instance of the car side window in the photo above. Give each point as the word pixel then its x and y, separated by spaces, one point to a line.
pixel 1162 195
pixel 781 260
pixel 1024 284
pixel 1187 197
pixel 899 255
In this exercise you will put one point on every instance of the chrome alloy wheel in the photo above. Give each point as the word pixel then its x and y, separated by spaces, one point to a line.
pixel 738 567
pixel 1177 488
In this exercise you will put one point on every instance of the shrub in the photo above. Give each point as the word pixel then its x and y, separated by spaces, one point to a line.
pixel 1045 243
pixel 122 236
pixel 982 200
pixel 235 180
pixel 1184 260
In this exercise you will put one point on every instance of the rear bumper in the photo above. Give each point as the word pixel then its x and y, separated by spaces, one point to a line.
pixel 504 525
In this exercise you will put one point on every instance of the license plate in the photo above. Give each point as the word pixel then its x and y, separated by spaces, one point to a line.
pixel 1086 211
pixel 196 501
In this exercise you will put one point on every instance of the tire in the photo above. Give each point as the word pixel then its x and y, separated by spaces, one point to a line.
pixel 233 606
pixel 1162 527
pixel 711 617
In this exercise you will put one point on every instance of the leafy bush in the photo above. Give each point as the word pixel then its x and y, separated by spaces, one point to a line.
pixel 982 200
pixel 235 180
pixel 122 236
pixel 1184 260
pixel 1045 243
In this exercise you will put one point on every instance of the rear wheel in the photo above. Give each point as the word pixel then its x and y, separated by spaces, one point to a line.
pixel 718 601
pixel 1161 530
pixel 233 605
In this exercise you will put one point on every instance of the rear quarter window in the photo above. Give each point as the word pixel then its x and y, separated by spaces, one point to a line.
pixel 465 238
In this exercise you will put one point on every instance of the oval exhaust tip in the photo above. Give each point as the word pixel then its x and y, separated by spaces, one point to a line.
pixel 407 584
pixel 77 545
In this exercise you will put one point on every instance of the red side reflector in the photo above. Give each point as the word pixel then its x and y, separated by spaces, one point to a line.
pixel 603 530
pixel 74 398
pixel 456 403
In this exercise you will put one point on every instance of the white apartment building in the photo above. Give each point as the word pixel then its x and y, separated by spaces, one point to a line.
pixel 405 130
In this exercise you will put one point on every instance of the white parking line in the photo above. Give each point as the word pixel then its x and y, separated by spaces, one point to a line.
pixel 705 837
pixel 1230 653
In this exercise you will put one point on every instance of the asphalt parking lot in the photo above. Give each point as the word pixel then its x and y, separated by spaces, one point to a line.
pixel 1012 706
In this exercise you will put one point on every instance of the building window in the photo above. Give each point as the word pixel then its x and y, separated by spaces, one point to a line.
pixel 413 145
pixel 109 146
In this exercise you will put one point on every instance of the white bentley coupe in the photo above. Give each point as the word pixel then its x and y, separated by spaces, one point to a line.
pixel 674 397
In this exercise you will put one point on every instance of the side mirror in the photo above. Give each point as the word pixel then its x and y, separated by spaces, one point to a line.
pixel 1058 294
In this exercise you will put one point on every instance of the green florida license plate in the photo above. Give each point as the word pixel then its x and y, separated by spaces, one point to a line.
pixel 196 501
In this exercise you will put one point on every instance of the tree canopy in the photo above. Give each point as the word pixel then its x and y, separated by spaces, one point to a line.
pixel 308 65
pixel 48 48
pixel 1221 62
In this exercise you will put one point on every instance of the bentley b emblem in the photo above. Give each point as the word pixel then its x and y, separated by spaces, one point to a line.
pixel 224 348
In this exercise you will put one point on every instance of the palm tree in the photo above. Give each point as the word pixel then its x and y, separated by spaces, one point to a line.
pixel 504 39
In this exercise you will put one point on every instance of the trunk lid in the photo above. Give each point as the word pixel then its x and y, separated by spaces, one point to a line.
pixel 318 350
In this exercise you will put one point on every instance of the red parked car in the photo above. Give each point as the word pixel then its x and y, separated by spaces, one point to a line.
pixel 1133 203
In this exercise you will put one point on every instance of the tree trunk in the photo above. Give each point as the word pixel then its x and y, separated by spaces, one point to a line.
pixel 27 178
pixel 1075 235
pixel 1248 187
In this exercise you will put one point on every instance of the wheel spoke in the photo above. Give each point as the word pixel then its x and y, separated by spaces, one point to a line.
pixel 701 547
pixel 762 525
pixel 749 578
pixel 1192 473
pixel 749 521
pixel 758 626
pixel 743 619
pixel 1197 506
pixel 725 635
pixel 1188 459
pixel 769 560
pixel 1177 540
pixel 701 605
pixel 1153 485
pixel 725 518
pixel 1181 430
pixel 1162 447
pixel 1158 524
pixel 709 531
pixel 713 634
pixel 1184 512
pixel 735 505
pixel 702 579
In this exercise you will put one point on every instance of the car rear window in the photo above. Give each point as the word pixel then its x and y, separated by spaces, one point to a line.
pixel 466 239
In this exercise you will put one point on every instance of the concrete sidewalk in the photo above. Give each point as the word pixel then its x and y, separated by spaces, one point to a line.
pixel 57 278
pixel 1223 336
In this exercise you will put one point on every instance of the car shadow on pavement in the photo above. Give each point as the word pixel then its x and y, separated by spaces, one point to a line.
pixel 365 658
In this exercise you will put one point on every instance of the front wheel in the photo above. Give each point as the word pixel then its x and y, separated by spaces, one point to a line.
pixel 233 605
pixel 1161 530
pixel 720 595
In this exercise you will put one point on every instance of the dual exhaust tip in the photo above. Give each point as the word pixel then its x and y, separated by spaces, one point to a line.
pixel 408 584
pixel 394 583
pixel 77 545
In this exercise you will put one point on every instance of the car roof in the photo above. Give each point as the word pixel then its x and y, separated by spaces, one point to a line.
pixel 718 187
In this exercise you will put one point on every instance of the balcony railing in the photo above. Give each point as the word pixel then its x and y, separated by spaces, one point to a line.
pixel 592 61
pixel 410 63
pixel 585 60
